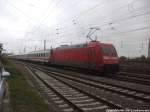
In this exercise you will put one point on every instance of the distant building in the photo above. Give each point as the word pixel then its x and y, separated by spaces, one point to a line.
pixel 149 49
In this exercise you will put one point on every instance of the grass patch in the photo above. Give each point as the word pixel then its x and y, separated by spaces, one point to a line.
pixel 23 97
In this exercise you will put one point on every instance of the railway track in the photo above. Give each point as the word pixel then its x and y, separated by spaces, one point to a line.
pixel 69 98
pixel 105 80
pixel 121 76
pixel 133 77
pixel 141 76
pixel 109 95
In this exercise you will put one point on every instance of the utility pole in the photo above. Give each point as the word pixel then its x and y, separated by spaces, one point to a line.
pixel 34 48
pixel 142 45
pixel 149 48
pixel 1 48
pixel 121 44
pixel 24 50
pixel 57 32
pixel 44 45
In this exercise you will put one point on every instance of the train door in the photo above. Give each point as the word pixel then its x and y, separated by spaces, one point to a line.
pixel 92 58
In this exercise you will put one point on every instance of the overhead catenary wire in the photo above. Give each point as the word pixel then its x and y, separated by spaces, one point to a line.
pixel 63 34
pixel 90 9
pixel 122 19
pixel 30 20
pixel 41 22
pixel 115 21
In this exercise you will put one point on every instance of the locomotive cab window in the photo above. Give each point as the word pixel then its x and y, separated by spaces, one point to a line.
pixel 109 51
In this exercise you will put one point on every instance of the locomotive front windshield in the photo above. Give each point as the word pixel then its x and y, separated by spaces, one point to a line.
pixel 109 51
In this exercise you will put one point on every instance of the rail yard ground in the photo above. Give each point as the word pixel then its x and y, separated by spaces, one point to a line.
pixel 23 96
pixel 38 88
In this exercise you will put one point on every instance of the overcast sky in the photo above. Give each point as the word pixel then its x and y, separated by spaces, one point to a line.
pixel 25 24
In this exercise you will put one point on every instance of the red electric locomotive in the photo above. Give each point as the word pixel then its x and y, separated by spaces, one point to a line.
pixel 94 56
